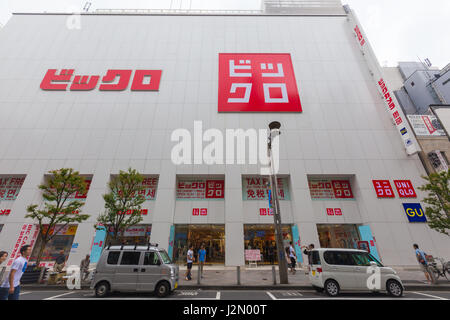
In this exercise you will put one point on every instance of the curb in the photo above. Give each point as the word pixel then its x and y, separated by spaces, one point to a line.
pixel 244 287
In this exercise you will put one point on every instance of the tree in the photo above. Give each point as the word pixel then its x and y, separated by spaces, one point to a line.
pixel 438 211
pixel 122 203
pixel 59 209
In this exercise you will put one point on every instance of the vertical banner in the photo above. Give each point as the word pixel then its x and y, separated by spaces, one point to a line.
pixel 366 235
pixel 171 241
pixel 97 246
pixel 297 243
pixel 391 104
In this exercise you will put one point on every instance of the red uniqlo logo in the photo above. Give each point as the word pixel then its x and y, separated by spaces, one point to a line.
pixel 263 212
pixel 383 188
pixel 257 83
pixel 203 212
pixel 338 211
pixel 342 189
pixel 330 212
pixel 195 211
pixel 405 189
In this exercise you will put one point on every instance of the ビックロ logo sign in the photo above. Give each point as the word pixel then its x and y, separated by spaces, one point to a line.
pixel 113 80
pixel 257 83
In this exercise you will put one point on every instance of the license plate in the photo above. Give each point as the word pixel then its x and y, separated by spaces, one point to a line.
pixel 176 285
pixel 313 273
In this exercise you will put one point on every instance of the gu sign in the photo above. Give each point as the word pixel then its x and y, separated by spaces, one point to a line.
pixel 257 83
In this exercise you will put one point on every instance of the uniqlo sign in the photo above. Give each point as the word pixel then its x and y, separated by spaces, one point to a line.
pixel 383 188
pixel 257 83
pixel 405 189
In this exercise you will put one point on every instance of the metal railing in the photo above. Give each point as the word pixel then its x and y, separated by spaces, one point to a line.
pixel 177 11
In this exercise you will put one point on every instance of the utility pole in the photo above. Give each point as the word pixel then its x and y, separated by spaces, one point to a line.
pixel 274 128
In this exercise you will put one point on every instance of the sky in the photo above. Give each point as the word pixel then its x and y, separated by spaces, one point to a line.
pixel 398 30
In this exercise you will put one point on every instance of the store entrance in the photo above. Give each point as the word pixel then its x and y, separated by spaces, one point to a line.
pixel 212 236
pixel 345 236
pixel 262 237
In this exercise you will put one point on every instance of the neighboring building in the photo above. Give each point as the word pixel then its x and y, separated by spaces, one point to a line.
pixel 349 172
pixel 417 87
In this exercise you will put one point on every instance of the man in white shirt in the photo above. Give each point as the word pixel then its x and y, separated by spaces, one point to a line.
pixel 10 288
pixel 190 259
pixel 293 257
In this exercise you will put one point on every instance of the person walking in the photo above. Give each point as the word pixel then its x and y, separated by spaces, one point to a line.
pixel 293 257
pixel 308 251
pixel 271 252
pixel 60 262
pixel 84 268
pixel 421 258
pixel 201 259
pixel 189 259
pixel 10 288
pixel 3 257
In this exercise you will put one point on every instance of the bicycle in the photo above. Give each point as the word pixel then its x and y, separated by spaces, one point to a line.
pixel 435 271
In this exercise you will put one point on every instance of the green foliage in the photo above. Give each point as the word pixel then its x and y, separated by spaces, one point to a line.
pixel 58 210
pixel 122 203
pixel 438 201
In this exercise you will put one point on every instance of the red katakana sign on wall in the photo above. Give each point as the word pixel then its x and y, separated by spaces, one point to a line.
pixel 383 188
pixel 250 82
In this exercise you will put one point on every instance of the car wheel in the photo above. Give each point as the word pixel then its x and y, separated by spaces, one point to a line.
pixel 331 288
pixel 318 289
pixel 102 290
pixel 162 289
pixel 394 288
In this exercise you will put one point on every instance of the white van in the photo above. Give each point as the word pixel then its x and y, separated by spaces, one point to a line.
pixel 333 270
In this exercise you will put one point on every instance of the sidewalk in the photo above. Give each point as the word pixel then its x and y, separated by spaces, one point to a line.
pixel 261 278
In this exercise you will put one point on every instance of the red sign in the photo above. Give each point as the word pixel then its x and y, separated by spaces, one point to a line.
pixel 200 189
pixel 405 189
pixel 257 83
pixel 360 36
pixel 383 188
pixel 10 187
pixel 335 211
pixel 114 80
pixel 28 235
pixel 199 212
pixel 266 212
pixel 330 189
pixel 143 212
pixel 5 212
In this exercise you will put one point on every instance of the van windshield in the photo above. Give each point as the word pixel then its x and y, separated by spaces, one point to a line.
pixel 165 257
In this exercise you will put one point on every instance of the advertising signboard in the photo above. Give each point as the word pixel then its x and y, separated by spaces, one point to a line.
pixel 257 83
pixel 330 188
pixel 200 189
pixel 383 189
pixel 424 125
pixel 414 212
pixel 257 188
pixel 10 187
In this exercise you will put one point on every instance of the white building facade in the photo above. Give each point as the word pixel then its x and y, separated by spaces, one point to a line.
pixel 335 155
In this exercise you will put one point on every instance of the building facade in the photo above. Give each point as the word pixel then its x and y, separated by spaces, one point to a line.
pixel 345 177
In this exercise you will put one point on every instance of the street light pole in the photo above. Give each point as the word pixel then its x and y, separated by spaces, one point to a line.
pixel 282 265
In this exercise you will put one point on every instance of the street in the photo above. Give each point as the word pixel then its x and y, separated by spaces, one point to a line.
pixel 230 295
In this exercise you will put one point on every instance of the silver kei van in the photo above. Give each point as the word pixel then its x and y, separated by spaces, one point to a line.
pixel 135 269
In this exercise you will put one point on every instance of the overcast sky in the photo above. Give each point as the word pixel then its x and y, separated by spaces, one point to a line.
pixel 399 30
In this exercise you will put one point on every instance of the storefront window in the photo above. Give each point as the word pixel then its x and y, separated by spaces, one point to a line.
pixel 262 237
pixel 62 241
pixel 343 236
pixel 139 234
pixel 212 236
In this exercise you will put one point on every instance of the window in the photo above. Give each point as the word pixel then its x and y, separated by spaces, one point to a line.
pixel 315 258
pixel 113 257
pixel 340 258
pixel 165 257
pixel 361 259
pixel 151 258
pixel 130 258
